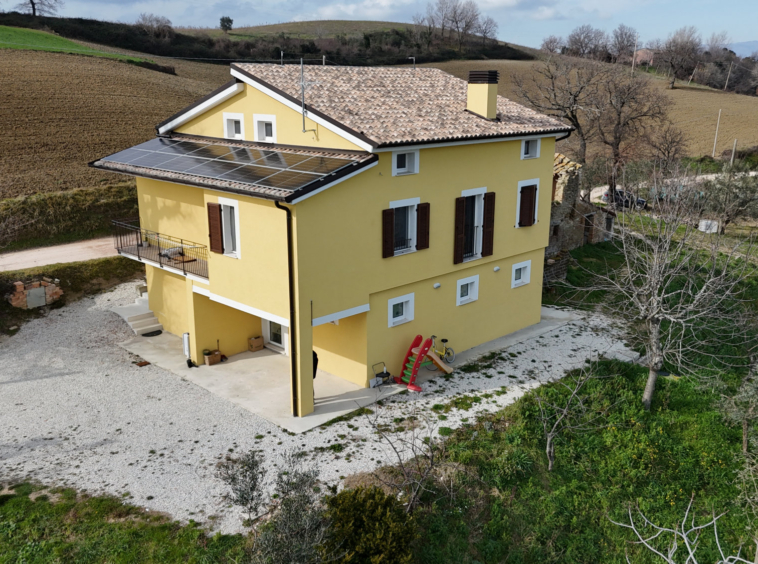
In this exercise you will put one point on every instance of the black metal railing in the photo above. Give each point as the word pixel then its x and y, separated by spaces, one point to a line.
pixel 402 245
pixel 130 239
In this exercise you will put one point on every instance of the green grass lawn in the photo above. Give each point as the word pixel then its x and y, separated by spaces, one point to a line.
pixel 31 39
pixel 514 510
pixel 59 526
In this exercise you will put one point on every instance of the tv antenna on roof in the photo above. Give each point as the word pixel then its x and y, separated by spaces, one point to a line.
pixel 303 86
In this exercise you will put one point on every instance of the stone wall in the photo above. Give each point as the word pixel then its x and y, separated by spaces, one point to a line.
pixel 36 293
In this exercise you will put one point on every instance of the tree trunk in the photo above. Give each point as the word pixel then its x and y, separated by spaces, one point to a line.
pixel 647 397
pixel 672 80
pixel 744 436
pixel 550 451
pixel 34 8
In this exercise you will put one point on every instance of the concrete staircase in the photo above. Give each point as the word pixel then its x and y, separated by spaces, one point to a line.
pixel 139 317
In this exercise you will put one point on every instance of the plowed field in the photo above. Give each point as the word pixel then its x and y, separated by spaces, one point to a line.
pixel 58 112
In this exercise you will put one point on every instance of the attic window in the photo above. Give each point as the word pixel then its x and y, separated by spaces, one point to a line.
pixel 405 162
pixel 530 149
pixel 233 126
pixel 265 128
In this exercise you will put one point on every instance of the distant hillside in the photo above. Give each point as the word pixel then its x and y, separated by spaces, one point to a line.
pixel 341 42
pixel 744 48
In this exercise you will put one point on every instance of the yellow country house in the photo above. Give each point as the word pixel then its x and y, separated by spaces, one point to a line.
pixel 344 211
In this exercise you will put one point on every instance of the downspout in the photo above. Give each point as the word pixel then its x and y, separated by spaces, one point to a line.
pixel 293 332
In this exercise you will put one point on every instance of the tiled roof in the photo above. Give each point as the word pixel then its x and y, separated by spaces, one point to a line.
pixel 398 106
pixel 356 161
pixel 563 165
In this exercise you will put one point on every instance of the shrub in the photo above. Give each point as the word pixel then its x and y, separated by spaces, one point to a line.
pixel 370 526
pixel 245 476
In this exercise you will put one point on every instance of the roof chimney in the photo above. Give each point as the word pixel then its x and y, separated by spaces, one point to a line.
pixel 482 93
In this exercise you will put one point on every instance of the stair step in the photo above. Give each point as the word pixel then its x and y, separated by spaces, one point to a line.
pixel 406 379
pixel 137 316
pixel 407 372
pixel 149 329
pixel 146 322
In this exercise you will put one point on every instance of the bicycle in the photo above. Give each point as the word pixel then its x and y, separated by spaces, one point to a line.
pixel 445 353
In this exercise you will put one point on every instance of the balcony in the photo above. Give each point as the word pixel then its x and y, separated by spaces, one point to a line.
pixel 173 254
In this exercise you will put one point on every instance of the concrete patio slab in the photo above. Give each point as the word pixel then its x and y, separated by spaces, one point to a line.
pixel 260 382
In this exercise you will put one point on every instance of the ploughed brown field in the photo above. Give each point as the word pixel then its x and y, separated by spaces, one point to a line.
pixel 60 111
pixel 695 109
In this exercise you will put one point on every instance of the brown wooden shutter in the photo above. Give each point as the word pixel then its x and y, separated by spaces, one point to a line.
pixel 388 233
pixel 460 220
pixel 215 233
pixel 488 229
pixel 422 226
pixel 528 202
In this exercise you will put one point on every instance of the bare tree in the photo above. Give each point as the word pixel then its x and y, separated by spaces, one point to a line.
pixel 747 484
pixel 680 52
pixel 623 41
pixel 625 108
pixel 732 194
pixel 417 454
pixel 442 11
pixel 587 41
pixel 665 542
pixel 10 227
pixel 742 407
pixel 717 43
pixel 667 144
pixel 552 44
pixel 565 89
pixel 158 27
pixel 571 414
pixel 40 7
pixel 680 291
pixel 464 17
pixel 245 477
pixel 487 29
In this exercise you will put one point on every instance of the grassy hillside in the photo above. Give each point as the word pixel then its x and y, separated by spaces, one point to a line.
pixel 303 30
pixel 32 39
pixel 695 108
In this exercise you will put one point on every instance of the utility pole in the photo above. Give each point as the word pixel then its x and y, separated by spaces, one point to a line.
pixel 727 76
pixel 718 121
pixel 734 150
pixel 634 53
pixel 693 73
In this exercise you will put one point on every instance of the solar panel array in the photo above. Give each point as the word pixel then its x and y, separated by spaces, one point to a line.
pixel 274 169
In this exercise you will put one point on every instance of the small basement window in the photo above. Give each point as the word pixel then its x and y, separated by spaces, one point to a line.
pixel 521 273
pixel 404 163
pixel 233 126
pixel 400 310
pixel 530 149
pixel 468 290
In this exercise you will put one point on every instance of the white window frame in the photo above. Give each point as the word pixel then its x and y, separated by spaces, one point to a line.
pixel 412 163
pixel 412 223
pixel 473 293
pixel 408 310
pixel 531 182
pixel 266 330
pixel 227 202
pixel 258 119
pixel 525 276
pixel 229 134
pixel 536 153
pixel 478 220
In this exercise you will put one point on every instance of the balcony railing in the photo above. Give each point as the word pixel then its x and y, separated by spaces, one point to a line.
pixel 165 251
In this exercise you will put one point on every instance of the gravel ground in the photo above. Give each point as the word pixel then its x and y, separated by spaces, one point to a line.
pixel 77 411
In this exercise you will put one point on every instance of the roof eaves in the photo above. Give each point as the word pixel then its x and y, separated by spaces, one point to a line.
pixel 196 103
pixel 309 109
pixel 488 136
pixel 334 177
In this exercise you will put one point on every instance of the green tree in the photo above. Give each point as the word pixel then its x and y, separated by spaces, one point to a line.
pixel 226 24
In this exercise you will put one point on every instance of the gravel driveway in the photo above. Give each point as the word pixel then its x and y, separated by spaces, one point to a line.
pixel 76 410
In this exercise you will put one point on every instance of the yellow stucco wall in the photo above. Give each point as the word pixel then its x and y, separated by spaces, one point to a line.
pixel 500 310
pixel 342 348
pixel 216 322
pixel 289 122
pixel 167 297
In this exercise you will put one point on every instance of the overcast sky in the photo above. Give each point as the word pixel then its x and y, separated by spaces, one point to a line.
pixel 524 22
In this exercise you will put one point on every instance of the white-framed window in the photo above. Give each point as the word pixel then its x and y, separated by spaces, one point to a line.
pixel 265 128
pixel 467 290
pixel 400 310
pixel 405 162
pixel 230 222
pixel 234 126
pixel 534 204
pixel 275 336
pixel 530 149
pixel 473 223
pixel 521 273
pixel 405 229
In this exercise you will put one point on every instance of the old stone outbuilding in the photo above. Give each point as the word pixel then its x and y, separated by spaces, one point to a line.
pixel 573 220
